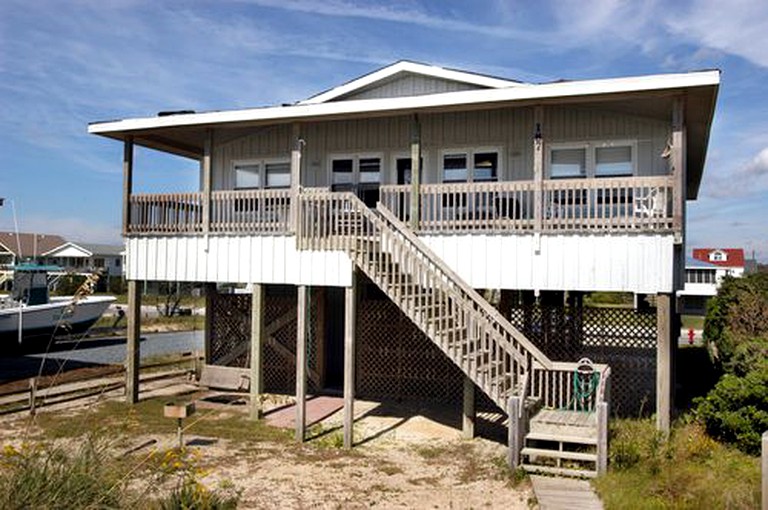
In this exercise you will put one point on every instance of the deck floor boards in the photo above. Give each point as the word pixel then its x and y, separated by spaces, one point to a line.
pixel 555 493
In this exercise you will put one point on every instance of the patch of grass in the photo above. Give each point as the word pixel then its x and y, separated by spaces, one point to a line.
pixel 687 470
pixel 157 324
pixel 692 321
pixel 146 418
pixel 512 477
pixel 45 476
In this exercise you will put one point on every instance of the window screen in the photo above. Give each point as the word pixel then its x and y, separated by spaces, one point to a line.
pixel 568 163
pixel 247 176
pixel 278 175
pixel 486 166
pixel 613 161
pixel 455 168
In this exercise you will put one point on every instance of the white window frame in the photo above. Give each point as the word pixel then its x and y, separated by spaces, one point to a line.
pixel 356 157
pixel 262 164
pixel 590 160
pixel 470 152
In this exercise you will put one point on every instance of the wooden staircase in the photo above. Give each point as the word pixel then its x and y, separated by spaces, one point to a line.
pixel 496 356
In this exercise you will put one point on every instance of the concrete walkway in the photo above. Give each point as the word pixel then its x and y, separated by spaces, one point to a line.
pixel 564 494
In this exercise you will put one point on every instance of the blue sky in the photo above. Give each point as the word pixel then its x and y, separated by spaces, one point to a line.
pixel 66 63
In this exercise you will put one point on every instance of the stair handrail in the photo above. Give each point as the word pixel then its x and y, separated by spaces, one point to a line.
pixel 480 301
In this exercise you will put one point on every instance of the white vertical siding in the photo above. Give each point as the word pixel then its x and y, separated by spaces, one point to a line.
pixel 234 259
pixel 631 263
pixel 511 129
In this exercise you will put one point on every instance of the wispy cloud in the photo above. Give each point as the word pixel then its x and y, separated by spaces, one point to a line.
pixel 737 27
pixel 749 179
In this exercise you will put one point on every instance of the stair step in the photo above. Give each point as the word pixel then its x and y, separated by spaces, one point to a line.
pixel 551 470
pixel 558 454
pixel 562 438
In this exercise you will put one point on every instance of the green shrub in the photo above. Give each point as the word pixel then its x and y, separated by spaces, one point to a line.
pixel 736 410
pixel 738 314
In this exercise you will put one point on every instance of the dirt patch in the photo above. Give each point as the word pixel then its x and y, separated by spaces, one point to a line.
pixel 404 457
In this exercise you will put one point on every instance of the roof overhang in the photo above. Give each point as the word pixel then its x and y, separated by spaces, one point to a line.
pixel 185 134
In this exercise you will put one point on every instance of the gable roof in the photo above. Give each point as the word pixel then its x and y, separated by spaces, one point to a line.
pixel 735 256
pixel 405 66
pixel 87 249
pixel 31 244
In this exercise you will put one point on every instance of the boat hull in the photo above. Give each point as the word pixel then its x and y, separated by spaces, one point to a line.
pixel 56 318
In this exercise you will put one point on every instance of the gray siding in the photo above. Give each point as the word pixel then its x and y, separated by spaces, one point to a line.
pixel 409 84
pixel 510 130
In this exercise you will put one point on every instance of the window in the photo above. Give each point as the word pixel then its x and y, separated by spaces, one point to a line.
pixel 278 175
pixel 568 163
pixel 247 176
pixel 270 174
pixel 455 168
pixel 360 174
pixel 699 276
pixel 718 256
pixel 342 171
pixel 370 170
pixel 484 166
pixel 613 161
pixel 591 159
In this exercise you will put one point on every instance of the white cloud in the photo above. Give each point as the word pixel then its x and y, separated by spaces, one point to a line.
pixel 737 27
pixel 748 179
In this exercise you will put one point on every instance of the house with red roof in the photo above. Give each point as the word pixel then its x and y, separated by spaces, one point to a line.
pixel 705 271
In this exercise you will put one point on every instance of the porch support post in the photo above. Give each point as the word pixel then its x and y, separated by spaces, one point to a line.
pixel 350 319
pixel 415 172
pixel 296 142
pixel 468 415
pixel 678 167
pixel 301 364
pixel 538 168
pixel 127 181
pixel 210 296
pixel 515 432
pixel 207 180
pixel 133 349
pixel 664 358
pixel 257 339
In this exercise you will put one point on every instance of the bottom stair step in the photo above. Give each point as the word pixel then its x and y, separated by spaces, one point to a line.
pixel 557 454
pixel 550 470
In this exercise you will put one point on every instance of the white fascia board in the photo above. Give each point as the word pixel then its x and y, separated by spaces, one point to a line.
pixel 468 98
pixel 412 67
pixel 69 244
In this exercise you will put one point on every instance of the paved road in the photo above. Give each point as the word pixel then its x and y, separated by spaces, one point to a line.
pixel 108 350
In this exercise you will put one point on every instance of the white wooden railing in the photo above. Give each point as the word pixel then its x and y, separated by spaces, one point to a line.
pixel 626 204
pixel 605 204
pixel 167 213
pixel 495 355
pixel 237 211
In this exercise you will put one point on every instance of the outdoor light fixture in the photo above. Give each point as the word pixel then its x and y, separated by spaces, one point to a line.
pixel 537 135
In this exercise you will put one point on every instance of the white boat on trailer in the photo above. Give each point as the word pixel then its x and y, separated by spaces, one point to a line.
pixel 31 317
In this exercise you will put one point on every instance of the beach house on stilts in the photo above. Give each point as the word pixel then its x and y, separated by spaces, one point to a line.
pixel 427 233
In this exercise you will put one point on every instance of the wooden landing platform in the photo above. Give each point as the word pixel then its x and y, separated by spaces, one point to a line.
pixel 565 494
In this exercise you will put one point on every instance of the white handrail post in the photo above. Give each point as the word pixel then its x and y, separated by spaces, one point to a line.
pixel 765 470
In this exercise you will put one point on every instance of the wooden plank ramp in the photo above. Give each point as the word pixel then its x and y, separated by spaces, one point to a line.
pixel 555 493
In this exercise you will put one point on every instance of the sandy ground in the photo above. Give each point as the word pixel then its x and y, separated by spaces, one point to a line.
pixel 404 458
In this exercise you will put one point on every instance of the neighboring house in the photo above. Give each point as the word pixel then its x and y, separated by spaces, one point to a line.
pixel 704 272
pixel 24 247
pixel 366 219
pixel 87 257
